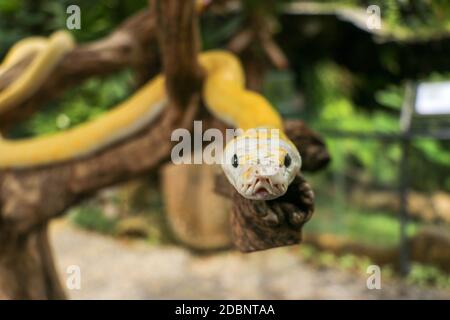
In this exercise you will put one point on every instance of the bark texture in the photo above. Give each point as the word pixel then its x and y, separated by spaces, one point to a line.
pixel 260 225
pixel 26 267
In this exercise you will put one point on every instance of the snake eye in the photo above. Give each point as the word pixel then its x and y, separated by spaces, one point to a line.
pixel 235 161
pixel 287 160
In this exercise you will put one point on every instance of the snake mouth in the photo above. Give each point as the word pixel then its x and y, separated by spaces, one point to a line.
pixel 261 189
pixel 261 192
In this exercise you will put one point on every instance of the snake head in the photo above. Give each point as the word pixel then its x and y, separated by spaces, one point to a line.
pixel 260 164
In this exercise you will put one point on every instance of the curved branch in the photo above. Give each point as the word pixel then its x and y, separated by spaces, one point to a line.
pixel 179 43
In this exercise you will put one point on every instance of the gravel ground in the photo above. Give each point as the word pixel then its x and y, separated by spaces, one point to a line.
pixel 112 269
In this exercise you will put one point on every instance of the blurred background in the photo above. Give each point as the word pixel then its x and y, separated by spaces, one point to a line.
pixel 321 64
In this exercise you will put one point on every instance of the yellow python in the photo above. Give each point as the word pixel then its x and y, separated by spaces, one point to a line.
pixel 255 170
pixel 48 53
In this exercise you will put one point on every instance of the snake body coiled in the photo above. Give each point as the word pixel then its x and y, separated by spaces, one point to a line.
pixel 48 52
pixel 256 171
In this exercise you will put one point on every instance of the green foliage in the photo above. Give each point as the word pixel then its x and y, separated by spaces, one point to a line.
pixel 279 88
pixel 330 91
pixel 421 275
pixel 392 12
pixel 347 262
pixel 77 105
pixel 433 151
pixel 405 19
pixel 223 30
pixel 23 18
pixel 372 227
pixel 8 6
pixel 133 211
pixel 426 275
pixel 390 97
pixel 90 217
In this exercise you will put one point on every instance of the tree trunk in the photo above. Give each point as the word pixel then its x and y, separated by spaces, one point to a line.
pixel 27 270
pixel 198 217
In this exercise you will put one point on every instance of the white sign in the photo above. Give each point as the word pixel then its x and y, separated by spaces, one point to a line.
pixel 433 98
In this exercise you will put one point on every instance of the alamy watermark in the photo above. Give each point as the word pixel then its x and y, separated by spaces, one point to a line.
pixel 74 20
pixel 374 17
pixel 374 279
pixel 190 148
pixel 73 281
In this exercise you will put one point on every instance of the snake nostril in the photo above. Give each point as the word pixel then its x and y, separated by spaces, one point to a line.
pixel 262 180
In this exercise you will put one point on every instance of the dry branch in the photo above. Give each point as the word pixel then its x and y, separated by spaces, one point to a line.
pixel 179 42
pixel 260 225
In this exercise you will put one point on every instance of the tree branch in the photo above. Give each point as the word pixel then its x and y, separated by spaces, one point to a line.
pixel 179 43
pixel 260 225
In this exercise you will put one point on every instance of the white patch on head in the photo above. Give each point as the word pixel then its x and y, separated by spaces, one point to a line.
pixel 260 167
